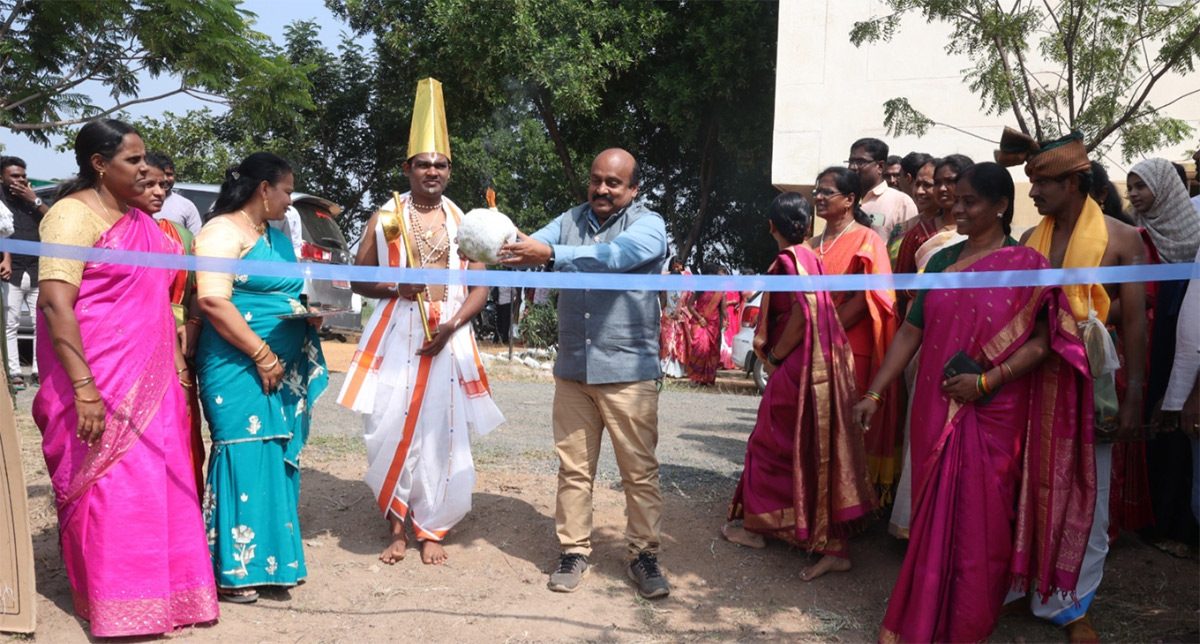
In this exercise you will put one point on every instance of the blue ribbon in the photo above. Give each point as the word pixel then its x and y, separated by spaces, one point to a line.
pixel 610 281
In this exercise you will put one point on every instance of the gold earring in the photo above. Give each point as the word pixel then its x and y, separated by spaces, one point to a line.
pixel 266 204
pixel 102 175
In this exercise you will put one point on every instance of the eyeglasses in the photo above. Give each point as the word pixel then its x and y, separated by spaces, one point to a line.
pixel 422 166
pixel 858 163
pixel 825 192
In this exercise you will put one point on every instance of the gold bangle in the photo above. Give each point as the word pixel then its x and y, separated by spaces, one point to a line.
pixel 1006 378
pixel 185 383
pixel 88 400
pixel 83 382
pixel 874 396
pixel 179 371
pixel 268 367
pixel 258 352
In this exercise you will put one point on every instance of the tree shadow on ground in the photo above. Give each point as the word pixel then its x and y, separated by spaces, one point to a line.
pixel 342 508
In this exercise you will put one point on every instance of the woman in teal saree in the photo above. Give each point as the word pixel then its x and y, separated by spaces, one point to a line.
pixel 260 369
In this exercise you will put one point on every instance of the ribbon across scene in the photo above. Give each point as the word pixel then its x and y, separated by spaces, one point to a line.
pixel 611 281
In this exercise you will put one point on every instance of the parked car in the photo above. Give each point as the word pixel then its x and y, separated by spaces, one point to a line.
pixel 743 343
pixel 323 244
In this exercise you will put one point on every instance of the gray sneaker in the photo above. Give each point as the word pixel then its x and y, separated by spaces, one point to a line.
pixel 571 568
pixel 644 571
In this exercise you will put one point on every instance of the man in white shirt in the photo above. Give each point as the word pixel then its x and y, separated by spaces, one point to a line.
pixel 1183 390
pixel 291 226
pixel 887 206
pixel 176 207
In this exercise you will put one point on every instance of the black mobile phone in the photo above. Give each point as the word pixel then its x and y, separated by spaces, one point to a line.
pixel 961 363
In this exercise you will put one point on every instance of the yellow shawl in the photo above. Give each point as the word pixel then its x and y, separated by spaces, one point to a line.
pixel 1085 250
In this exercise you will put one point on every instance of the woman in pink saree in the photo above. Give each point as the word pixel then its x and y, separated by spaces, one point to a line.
pixel 704 350
pixel 805 480
pixel 1003 463
pixel 112 410
pixel 731 321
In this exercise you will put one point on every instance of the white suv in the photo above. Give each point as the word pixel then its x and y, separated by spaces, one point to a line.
pixel 743 343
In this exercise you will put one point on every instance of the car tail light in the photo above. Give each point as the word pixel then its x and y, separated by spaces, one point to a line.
pixel 315 253
pixel 749 315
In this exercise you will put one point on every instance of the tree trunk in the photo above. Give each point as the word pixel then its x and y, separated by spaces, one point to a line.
pixel 564 154
pixel 708 162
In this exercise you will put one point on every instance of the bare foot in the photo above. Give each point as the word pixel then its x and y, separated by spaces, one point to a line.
pixel 398 544
pixel 826 564
pixel 432 552
pixel 743 537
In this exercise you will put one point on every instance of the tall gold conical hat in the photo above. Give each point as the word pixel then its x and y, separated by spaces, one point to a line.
pixel 428 133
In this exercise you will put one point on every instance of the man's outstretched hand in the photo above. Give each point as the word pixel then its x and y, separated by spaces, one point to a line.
pixel 526 251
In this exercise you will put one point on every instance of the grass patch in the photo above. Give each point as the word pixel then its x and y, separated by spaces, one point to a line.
pixel 328 446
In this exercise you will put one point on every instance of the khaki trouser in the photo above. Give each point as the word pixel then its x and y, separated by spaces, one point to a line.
pixel 630 412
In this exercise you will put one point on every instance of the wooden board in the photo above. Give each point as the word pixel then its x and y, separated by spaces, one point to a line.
pixel 17 595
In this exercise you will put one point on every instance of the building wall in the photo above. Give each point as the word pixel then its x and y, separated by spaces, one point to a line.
pixel 828 93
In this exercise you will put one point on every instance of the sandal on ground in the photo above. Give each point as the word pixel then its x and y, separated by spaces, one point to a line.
pixel 18 383
pixel 238 595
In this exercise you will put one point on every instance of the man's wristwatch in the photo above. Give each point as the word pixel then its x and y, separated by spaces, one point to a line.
pixel 37 202
pixel 550 262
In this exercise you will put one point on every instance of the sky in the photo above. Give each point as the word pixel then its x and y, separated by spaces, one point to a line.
pixel 273 16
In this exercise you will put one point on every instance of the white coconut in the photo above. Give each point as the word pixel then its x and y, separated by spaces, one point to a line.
pixel 482 232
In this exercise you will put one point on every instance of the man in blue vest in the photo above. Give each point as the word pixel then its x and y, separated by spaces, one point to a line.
pixel 607 373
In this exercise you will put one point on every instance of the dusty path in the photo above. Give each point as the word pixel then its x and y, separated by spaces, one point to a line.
pixel 493 587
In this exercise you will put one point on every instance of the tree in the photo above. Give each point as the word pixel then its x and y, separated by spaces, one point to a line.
pixel 194 143
pixel 1107 57
pixel 534 88
pixel 50 51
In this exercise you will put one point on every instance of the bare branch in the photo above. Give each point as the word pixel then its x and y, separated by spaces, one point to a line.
pixel 12 17
pixel 1008 80
pixel 1033 112
pixel 1168 104
pixel 20 127
pixel 1131 112
pixel 1050 12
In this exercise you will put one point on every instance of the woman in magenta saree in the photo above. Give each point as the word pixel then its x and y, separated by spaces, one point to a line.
pixel 704 350
pixel 805 479
pixel 112 411
pixel 1003 489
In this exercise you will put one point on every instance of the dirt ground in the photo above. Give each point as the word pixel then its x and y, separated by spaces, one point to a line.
pixel 493 588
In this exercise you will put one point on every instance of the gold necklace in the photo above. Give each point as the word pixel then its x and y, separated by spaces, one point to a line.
pixel 259 228
pixel 107 215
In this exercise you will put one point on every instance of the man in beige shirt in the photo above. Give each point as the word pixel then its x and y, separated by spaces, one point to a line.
pixel 887 206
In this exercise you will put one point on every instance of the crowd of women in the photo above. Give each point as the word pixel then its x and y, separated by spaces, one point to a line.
pixel 128 354
pixel 697 329
pixel 948 404
pixel 969 411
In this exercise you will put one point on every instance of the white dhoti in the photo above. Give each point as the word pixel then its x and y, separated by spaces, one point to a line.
pixel 419 411
pixel 1059 609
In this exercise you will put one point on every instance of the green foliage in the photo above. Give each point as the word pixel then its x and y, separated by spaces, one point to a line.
pixel 48 50
pixel 194 143
pixel 535 88
pixel 900 117
pixel 1106 58
pixel 539 326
